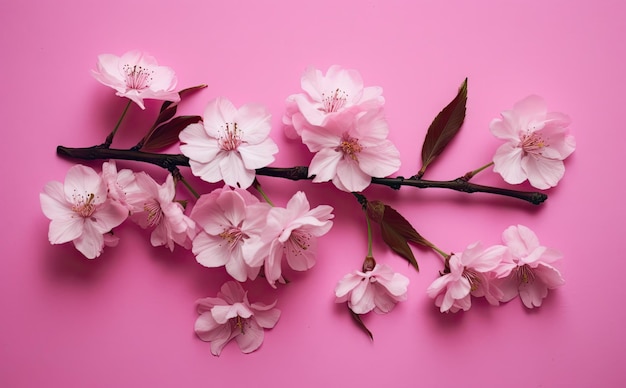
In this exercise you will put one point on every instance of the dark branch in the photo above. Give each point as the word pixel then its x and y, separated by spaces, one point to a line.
pixel 171 161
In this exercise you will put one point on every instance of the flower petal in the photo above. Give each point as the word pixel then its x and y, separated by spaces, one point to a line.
pixel 352 177
pixel 233 171
pixel 543 173
pixel 508 163
pixel 258 155
pixel 251 337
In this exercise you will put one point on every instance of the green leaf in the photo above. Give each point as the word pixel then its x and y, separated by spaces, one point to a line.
pixel 167 134
pixel 443 128
pixel 357 318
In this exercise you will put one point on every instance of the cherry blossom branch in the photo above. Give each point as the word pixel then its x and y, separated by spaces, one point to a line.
pixel 171 161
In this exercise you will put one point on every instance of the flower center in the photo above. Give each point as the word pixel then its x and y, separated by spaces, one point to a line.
pixel 137 77
pixel 83 205
pixel 350 147
pixel 233 236
pixel 230 137
pixel 155 214
pixel 532 143
pixel 334 101
pixel 473 278
pixel 525 274
pixel 239 323
pixel 299 241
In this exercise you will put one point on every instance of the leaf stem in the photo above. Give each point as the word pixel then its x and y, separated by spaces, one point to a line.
pixel 190 188
pixel 258 188
pixel 109 139
pixel 471 174
pixel 180 178
pixel 369 236
pixel 168 161
pixel 443 255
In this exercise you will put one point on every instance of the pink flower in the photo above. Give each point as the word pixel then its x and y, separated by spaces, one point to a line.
pixel 229 144
pixel 379 290
pixel 291 232
pixel 81 212
pixel 137 76
pixel 527 270
pixel 121 185
pixel 158 210
pixel 228 218
pixel 351 151
pixel 470 275
pixel 327 96
pixel 537 142
pixel 231 315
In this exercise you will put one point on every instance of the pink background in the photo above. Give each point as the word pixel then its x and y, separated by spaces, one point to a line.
pixel 126 318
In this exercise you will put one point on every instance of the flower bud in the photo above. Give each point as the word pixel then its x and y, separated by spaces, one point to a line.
pixel 368 264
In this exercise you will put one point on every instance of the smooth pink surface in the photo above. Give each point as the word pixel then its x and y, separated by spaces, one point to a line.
pixel 126 318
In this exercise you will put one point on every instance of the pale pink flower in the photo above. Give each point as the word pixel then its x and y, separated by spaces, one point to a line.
pixel 351 151
pixel 289 232
pixel 338 92
pixel 228 219
pixel 230 143
pixel 159 211
pixel 137 76
pixel 537 142
pixel 471 274
pixel 231 315
pixel 379 290
pixel 81 212
pixel 528 268
pixel 121 185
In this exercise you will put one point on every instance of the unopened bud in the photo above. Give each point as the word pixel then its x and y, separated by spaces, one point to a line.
pixel 368 264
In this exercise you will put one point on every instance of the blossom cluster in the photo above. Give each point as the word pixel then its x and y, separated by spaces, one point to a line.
pixel 498 273
pixel 342 122
pixel 242 234
pixel 87 206
pixel 227 227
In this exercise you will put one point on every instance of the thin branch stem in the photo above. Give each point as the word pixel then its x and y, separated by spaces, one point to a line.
pixel 471 174
pixel 369 236
pixel 178 177
pixel 109 139
pixel 189 187
pixel 443 255
pixel 170 161
pixel 258 188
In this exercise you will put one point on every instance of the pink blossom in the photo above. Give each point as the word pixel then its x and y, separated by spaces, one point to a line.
pixel 537 142
pixel 291 232
pixel 81 212
pixel 228 219
pixel 137 76
pixel 158 210
pixel 121 185
pixel 231 315
pixel 352 150
pixel 230 143
pixel 471 274
pixel 338 92
pixel 527 270
pixel 379 290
